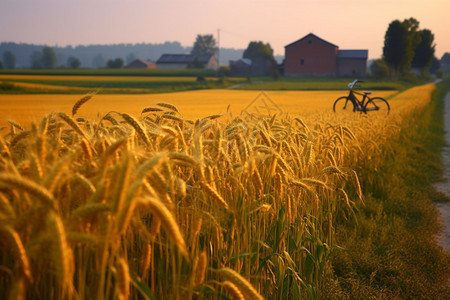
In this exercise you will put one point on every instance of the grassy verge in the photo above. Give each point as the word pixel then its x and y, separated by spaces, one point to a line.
pixel 322 84
pixel 391 252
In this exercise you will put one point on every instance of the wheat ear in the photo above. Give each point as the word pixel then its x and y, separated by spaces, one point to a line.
pixel 80 102
pixel 72 123
pixel 215 196
pixel 30 187
pixel 168 106
pixel 233 290
pixel 137 126
pixel 241 283
pixel 199 269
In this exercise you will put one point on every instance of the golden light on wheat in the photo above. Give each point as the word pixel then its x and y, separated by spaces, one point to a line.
pixel 154 203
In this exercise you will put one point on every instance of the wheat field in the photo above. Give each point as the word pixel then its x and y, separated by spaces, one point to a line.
pixel 181 198
pixel 25 109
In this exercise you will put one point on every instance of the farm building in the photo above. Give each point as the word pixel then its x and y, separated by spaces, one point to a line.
pixel 141 64
pixel 183 61
pixel 313 56
pixel 258 66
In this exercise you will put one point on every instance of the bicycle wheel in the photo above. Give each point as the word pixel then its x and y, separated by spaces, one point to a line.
pixel 377 104
pixel 343 105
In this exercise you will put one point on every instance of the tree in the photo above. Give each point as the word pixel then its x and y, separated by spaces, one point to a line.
pixel 424 52
pixel 263 62
pixel 259 49
pixel 48 58
pixel 73 62
pixel 435 65
pixel 204 45
pixel 396 45
pixel 36 60
pixel 9 59
pixel 379 69
pixel 400 42
pixel 115 63
pixel 98 61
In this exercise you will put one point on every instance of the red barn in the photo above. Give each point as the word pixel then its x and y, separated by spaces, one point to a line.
pixel 313 56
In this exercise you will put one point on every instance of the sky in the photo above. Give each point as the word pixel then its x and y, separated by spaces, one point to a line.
pixel 349 24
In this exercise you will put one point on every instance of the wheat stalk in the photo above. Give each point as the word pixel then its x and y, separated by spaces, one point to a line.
pixel 123 279
pixel 168 223
pixel 90 209
pixel 61 254
pixel 145 259
pixel 20 249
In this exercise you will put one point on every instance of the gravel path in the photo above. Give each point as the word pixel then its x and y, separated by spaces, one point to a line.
pixel 444 208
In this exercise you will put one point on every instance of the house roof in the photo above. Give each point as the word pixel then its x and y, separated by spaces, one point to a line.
pixel 364 54
pixel 246 61
pixel 140 62
pixel 309 36
pixel 182 58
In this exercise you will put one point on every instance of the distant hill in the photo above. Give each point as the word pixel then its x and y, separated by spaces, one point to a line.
pixel 95 56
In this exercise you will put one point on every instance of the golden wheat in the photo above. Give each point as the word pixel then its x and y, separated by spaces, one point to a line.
pixel 168 223
pixel 79 103
pixel 240 282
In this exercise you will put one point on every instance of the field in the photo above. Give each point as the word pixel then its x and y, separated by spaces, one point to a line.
pixel 212 194
pixel 159 81
pixel 109 83
pixel 25 108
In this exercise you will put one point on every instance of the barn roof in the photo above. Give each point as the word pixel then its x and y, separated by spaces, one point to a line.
pixel 309 36
pixel 364 54
pixel 140 62
pixel 182 58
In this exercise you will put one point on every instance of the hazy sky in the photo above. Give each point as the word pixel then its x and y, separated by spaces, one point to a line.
pixel 349 24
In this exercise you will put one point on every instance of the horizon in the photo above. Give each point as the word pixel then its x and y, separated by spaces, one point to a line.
pixel 279 23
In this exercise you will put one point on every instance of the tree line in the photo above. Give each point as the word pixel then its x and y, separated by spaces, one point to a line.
pixel 97 56
pixel 407 47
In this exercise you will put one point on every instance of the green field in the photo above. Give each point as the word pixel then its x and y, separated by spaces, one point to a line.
pixel 125 81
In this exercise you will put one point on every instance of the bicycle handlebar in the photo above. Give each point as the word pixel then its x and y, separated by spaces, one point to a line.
pixel 352 84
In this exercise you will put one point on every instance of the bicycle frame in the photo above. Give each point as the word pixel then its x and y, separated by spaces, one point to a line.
pixel 356 102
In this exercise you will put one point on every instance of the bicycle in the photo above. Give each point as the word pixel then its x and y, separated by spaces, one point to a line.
pixel 351 103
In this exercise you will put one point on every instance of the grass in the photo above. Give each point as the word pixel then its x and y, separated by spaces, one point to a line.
pixel 390 247
pixel 285 83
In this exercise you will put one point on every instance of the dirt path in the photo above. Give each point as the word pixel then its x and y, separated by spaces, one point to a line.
pixel 444 208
